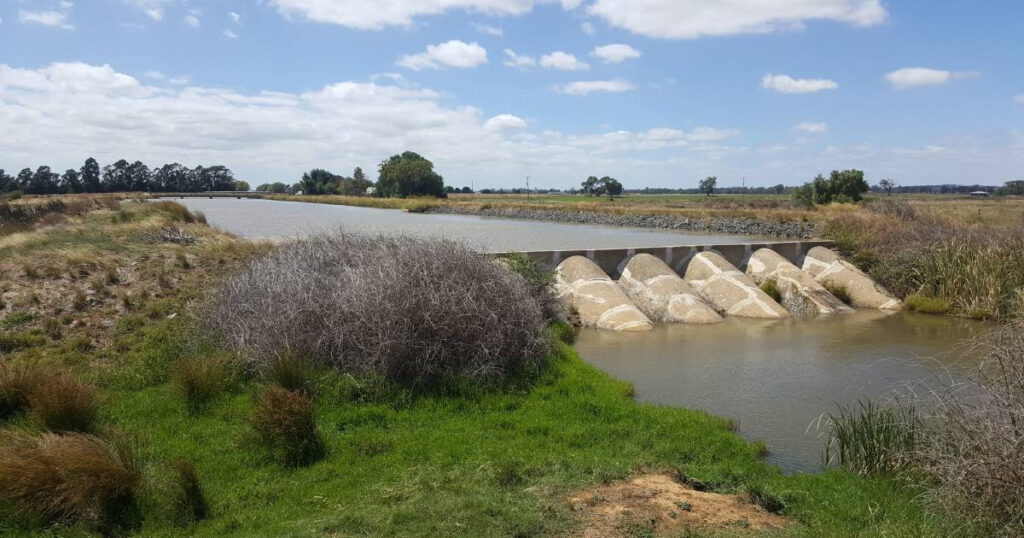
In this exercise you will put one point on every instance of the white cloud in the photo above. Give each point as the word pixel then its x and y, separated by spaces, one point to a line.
pixel 192 20
pixel 371 15
pixel 155 75
pixel 615 53
pixel 156 14
pixel 505 123
pixel 585 87
pixel 588 28
pixel 487 29
pixel 229 34
pixel 179 80
pixel 811 127
pixel 1019 99
pixel 152 8
pixel 912 77
pixel 452 53
pixel 52 18
pixel 562 61
pixel 689 19
pixel 235 17
pixel 518 60
pixel 788 84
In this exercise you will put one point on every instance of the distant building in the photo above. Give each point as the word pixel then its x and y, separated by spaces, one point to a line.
pixel 979 194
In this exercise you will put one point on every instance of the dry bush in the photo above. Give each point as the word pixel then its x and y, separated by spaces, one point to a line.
pixel 71 478
pixel 285 423
pixel 415 310
pixel 63 403
pixel 972 436
pixel 17 382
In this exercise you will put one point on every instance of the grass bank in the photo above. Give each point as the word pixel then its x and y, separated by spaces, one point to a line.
pixel 107 297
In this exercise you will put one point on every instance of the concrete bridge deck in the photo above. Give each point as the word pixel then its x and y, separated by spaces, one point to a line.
pixel 614 260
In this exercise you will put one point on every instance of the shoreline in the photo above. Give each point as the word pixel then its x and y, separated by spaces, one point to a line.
pixel 728 225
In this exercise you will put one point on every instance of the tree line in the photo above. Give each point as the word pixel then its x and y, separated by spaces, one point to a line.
pixel 121 176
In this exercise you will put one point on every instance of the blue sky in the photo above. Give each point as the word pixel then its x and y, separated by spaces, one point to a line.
pixel 655 92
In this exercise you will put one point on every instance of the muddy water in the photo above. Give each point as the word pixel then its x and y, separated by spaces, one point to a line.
pixel 271 219
pixel 778 377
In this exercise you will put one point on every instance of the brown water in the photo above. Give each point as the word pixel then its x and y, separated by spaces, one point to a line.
pixel 778 377
pixel 272 219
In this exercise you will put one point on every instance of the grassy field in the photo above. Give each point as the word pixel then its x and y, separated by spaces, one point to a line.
pixel 106 297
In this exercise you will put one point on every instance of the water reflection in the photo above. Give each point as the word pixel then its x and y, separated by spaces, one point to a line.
pixel 778 376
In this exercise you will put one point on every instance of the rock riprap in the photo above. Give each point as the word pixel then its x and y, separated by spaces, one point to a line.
pixel 728 290
pixel 661 294
pixel 801 294
pixel 829 269
pixel 598 300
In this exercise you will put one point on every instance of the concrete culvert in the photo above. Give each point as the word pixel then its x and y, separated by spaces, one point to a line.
pixel 728 290
pixel 662 294
pixel 801 294
pixel 598 300
pixel 829 269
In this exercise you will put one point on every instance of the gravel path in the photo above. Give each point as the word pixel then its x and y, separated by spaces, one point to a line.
pixel 730 225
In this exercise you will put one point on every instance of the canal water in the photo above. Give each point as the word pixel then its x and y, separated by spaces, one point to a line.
pixel 272 219
pixel 775 378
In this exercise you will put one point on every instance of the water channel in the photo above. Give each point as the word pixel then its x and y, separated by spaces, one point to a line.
pixel 775 378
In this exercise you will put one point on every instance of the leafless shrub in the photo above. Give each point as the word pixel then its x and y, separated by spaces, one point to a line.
pixel 72 478
pixel 171 234
pixel 415 310
pixel 972 434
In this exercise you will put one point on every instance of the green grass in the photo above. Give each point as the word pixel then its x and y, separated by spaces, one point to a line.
pixel 475 462
pixel 772 290
pixel 926 305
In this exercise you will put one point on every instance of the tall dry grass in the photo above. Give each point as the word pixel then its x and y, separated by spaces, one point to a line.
pixel 978 270
pixel 285 423
pixel 72 479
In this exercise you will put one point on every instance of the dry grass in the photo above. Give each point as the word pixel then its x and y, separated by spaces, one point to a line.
pixel 285 423
pixel 413 310
pixel 17 382
pixel 64 403
pixel 74 479
pixel 200 379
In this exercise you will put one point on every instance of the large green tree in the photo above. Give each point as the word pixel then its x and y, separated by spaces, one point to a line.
pixel 409 174
pixel 71 181
pixel 708 184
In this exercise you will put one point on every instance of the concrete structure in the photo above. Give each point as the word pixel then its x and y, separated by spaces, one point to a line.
pixel 614 260
pixel 598 300
pixel 801 294
pixel 827 268
pixel 661 294
pixel 728 290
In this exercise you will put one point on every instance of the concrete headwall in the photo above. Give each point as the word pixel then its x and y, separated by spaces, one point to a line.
pixel 614 260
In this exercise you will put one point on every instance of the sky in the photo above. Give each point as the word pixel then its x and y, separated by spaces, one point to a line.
pixel 657 93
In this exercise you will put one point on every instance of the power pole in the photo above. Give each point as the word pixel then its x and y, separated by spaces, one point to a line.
pixel 527 188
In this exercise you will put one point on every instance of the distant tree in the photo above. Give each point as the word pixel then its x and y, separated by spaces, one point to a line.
pixel 803 196
pixel 409 174
pixel 822 190
pixel 1011 188
pixel 172 178
pixel 887 186
pixel 466 190
pixel 276 188
pixel 138 177
pixel 23 180
pixel 589 186
pixel 116 177
pixel 71 181
pixel 779 189
pixel 318 181
pixel 707 185
pixel 44 181
pixel 90 175
pixel 358 175
pixel 610 187
pixel 848 185
pixel 6 182
pixel 242 186
pixel 213 178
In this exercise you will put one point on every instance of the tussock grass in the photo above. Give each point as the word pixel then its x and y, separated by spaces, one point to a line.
pixel 285 423
pixel 200 379
pixel 69 479
pixel 839 291
pixel 63 403
pixel 187 497
pixel 18 379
